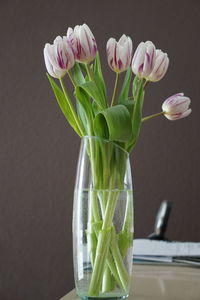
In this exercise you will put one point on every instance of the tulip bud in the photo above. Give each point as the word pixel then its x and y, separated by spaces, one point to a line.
pixel 119 53
pixel 176 107
pixel 58 57
pixel 160 66
pixel 143 59
pixel 82 43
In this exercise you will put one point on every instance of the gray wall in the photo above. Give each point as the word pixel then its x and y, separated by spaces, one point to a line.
pixel 38 149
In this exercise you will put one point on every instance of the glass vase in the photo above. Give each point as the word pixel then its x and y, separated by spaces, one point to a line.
pixel 102 220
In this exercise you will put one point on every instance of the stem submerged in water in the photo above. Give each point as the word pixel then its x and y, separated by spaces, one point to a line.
pixel 108 268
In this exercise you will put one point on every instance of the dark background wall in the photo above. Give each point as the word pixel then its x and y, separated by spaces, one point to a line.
pixel 38 149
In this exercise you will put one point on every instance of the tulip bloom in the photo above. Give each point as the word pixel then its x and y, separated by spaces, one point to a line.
pixel 176 107
pixel 143 59
pixel 160 66
pixel 82 42
pixel 119 53
pixel 58 57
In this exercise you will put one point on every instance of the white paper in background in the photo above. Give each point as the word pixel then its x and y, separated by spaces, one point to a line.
pixel 162 248
pixel 148 258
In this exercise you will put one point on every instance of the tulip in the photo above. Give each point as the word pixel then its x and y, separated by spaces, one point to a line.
pixel 59 57
pixel 143 59
pixel 160 66
pixel 82 42
pixel 176 107
pixel 119 53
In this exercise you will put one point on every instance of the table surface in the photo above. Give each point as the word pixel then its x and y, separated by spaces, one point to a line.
pixel 153 282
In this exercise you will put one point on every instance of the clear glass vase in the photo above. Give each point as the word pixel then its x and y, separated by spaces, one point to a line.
pixel 102 221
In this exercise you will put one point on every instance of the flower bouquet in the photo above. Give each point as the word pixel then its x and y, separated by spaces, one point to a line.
pixel 109 129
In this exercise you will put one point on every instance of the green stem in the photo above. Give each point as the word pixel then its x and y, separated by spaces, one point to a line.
pixel 110 209
pixel 95 208
pixel 107 280
pixel 128 219
pixel 99 263
pixel 153 116
pixel 136 97
pixel 109 275
pixel 107 254
pixel 125 237
pixel 146 83
pixel 94 216
pixel 103 243
pixel 110 261
pixel 89 72
pixel 72 110
pixel 92 78
pixel 124 276
pixel 113 102
pixel 113 269
pixel 92 245
pixel 91 236
pixel 71 78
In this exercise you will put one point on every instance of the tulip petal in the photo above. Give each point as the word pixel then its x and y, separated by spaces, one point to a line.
pixel 119 53
pixel 48 65
pixel 178 116
pixel 138 59
pixel 176 107
pixel 160 66
pixel 149 59
pixel 58 57
pixel 83 43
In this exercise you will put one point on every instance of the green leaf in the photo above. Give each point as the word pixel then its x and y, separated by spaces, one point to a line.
pixel 96 108
pixel 77 74
pixel 92 90
pixel 85 110
pixel 99 75
pixel 113 123
pixel 125 87
pixel 137 115
pixel 60 97
pixel 83 67
pixel 129 104
pixel 125 240
pixel 81 110
pixel 136 83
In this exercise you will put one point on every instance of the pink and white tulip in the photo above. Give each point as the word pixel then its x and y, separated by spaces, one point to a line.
pixel 83 43
pixel 119 53
pixel 144 59
pixel 160 66
pixel 176 107
pixel 59 57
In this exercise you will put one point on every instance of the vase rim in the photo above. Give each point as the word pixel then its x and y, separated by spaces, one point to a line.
pixel 106 141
